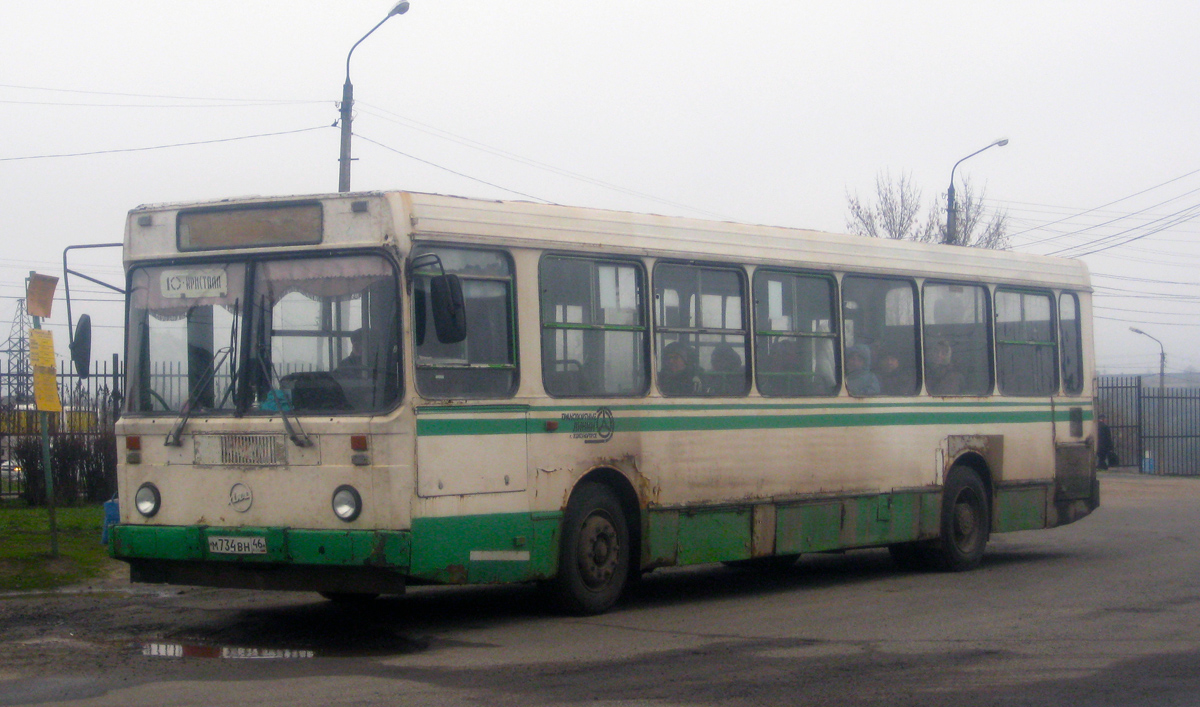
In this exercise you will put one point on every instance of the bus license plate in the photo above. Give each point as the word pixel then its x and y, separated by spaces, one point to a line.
pixel 237 546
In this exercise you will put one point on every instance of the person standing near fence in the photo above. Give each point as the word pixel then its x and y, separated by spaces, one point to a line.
pixel 1105 455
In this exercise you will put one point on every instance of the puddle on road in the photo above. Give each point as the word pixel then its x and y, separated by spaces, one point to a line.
pixel 181 650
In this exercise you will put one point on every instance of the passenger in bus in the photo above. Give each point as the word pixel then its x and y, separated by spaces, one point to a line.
pixel 678 374
pixel 941 377
pixel 355 359
pixel 893 381
pixel 728 374
pixel 859 378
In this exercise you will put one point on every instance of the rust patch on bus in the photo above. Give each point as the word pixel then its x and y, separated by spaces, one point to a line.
pixel 990 447
pixel 627 466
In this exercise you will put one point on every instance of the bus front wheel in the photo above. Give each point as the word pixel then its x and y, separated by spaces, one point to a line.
pixel 966 522
pixel 593 560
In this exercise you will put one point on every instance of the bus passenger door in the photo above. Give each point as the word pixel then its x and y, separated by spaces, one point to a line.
pixel 470 449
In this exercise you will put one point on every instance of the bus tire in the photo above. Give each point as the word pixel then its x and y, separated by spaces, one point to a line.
pixel 966 522
pixel 593 558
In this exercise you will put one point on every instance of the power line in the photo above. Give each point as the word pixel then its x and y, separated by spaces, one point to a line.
pixel 1144 279
pixel 156 105
pixel 451 171
pixel 475 144
pixel 163 147
pixel 1142 321
pixel 1181 216
pixel 64 324
pixel 153 95
pixel 1117 201
pixel 1142 311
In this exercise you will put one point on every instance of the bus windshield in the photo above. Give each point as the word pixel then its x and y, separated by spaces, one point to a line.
pixel 301 335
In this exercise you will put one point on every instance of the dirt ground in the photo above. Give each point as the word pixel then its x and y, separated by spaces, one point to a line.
pixel 1106 611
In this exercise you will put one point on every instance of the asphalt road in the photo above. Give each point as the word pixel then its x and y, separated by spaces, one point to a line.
pixel 1104 612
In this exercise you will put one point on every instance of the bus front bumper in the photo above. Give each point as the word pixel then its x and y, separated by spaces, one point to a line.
pixel 364 561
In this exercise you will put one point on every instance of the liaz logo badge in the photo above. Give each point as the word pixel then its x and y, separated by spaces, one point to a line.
pixel 241 497
pixel 591 427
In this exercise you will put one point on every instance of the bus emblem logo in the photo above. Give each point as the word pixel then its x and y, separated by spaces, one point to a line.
pixel 591 427
pixel 241 497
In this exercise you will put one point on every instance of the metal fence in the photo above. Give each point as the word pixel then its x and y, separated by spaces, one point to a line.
pixel 90 407
pixel 1156 430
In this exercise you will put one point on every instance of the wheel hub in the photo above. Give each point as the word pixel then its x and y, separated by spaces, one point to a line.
pixel 599 550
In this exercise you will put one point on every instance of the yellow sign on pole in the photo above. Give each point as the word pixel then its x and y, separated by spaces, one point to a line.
pixel 45 378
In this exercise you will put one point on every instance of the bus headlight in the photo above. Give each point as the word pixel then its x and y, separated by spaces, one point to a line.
pixel 147 499
pixel 347 504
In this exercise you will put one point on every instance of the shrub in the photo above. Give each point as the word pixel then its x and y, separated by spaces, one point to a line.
pixel 85 468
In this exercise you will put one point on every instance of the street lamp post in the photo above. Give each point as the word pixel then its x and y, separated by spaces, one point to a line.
pixel 347 108
pixel 1162 363
pixel 951 216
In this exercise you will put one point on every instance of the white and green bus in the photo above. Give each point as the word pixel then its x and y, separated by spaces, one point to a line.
pixel 355 393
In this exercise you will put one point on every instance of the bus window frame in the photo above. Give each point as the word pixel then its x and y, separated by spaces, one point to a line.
pixel 989 329
pixel 918 325
pixel 1050 295
pixel 1078 319
pixel 422 247
pixel 835 321
pixel 644 307
pixel 747 331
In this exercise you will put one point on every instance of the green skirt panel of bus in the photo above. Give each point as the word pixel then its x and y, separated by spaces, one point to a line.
pixel 520 547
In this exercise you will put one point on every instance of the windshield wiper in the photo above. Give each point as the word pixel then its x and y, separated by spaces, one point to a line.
pixel 301 438
pixel 175 436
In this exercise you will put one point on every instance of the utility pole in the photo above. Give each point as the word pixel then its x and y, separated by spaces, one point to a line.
pixel 347 107
pixel 951 214
pixel 39 297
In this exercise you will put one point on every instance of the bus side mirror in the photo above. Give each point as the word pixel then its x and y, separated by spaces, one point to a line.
pixel 449 309
pixel 81 346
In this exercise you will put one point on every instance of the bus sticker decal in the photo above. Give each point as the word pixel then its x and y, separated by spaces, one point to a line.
pixel 592 427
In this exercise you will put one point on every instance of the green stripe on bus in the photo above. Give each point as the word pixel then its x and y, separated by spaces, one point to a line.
pixel 475 426
pixel 583 406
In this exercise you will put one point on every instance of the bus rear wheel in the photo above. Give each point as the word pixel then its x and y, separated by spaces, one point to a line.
pixel 966 522
pixel 593 561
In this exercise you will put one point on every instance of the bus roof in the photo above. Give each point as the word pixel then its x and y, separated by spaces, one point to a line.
pixel 436 217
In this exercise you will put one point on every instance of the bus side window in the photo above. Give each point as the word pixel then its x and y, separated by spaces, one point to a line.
pixel 700 333
pixel 880 341
pixel 795 335
pixel 1071 342
pixel 594 334
pixel 1026 360
pixel 958 351
pixel 484 364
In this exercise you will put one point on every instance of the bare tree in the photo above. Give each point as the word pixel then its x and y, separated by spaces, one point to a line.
pixel 896 214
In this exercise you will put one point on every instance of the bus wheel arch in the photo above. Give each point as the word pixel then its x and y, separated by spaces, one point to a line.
pixel 599 543
pixel 975 461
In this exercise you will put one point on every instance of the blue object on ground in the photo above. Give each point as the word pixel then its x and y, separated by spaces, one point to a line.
pixel 112 516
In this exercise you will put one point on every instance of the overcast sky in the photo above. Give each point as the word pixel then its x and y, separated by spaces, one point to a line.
pixel 761 112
